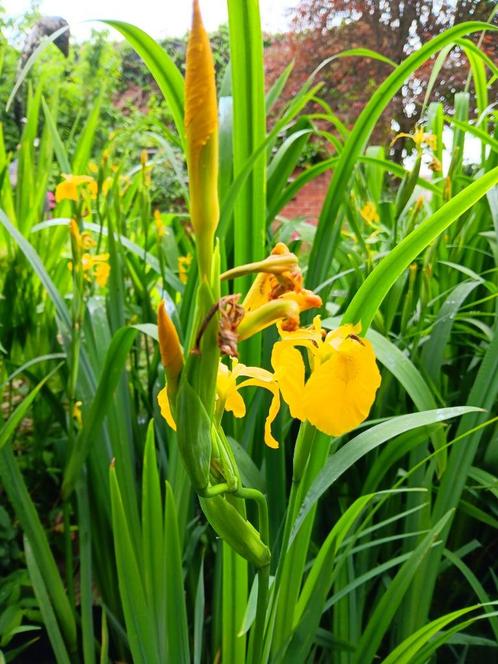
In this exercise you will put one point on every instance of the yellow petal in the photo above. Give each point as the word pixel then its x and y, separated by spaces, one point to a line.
pixel 260 291
pixel 66 191
pixel 225 382
pixel 93 189
pixel 289 372
pixel 164 405
pixel 270 440
pixel 267 314
pixel 253 372
pixel 235 404
pixel 80 179
pixel 102 271
pixel 340 392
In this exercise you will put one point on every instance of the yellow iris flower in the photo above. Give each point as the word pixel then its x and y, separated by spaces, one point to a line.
pixel 91 264
pixel 68 188
pixel 420 138
pixel 183 267
pixel 369 213
pixel 336 397
pixel 343 381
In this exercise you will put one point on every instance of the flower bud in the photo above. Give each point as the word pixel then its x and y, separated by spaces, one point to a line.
pixel 201 128
pixel 237 531
pixel 170 348
pixel 267 314
pixel 193 435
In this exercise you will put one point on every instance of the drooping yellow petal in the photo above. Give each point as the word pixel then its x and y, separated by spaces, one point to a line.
pixel 93 189
pixel 340 392
pixel 270 385
pixel 235 403
pixel 165 407
pixel 289 372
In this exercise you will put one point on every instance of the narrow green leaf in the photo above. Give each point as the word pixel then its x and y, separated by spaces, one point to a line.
pixel 404 653
pixel 162 68
pixel 46 608
pixel 17 416
pixel 115 362
pixel 328 230
pixel 153 540
pixel 374 289
pixel 138 616
pixel 386 609
pixel 59 148
pixel 25 510
pixel 365 442
pixel 176 611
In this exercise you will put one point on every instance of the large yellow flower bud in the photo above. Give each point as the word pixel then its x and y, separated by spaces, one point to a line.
pixel 201 128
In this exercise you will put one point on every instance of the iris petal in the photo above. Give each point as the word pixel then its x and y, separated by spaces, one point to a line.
pixel 235 404
pixel 270 440
pixel 340 392
pixel 289 372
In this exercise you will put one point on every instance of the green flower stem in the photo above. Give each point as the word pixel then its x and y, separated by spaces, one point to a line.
pixel 258 631
pixel 302 452
pixel 311 452
pixel 216 490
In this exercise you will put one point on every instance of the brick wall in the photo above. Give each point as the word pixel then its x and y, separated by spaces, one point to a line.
pixel 309 200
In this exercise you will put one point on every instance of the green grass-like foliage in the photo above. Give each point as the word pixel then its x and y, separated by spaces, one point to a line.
pixel 380 539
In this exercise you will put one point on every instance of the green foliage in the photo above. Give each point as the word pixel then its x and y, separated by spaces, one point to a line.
pixel 381 540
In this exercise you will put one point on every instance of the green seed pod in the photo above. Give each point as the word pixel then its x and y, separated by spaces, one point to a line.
pixel 237 531
pixel 194 435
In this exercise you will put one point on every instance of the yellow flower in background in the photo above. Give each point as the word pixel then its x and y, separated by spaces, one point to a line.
pixel 343 381
pixel 102 271
pixel 77 413
pixel 369 213
pixel 159 224
pixel 420 138
pixel 68 188
pixel 229 397
pixel 183 267
pixel 96 266
pixel 93 189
